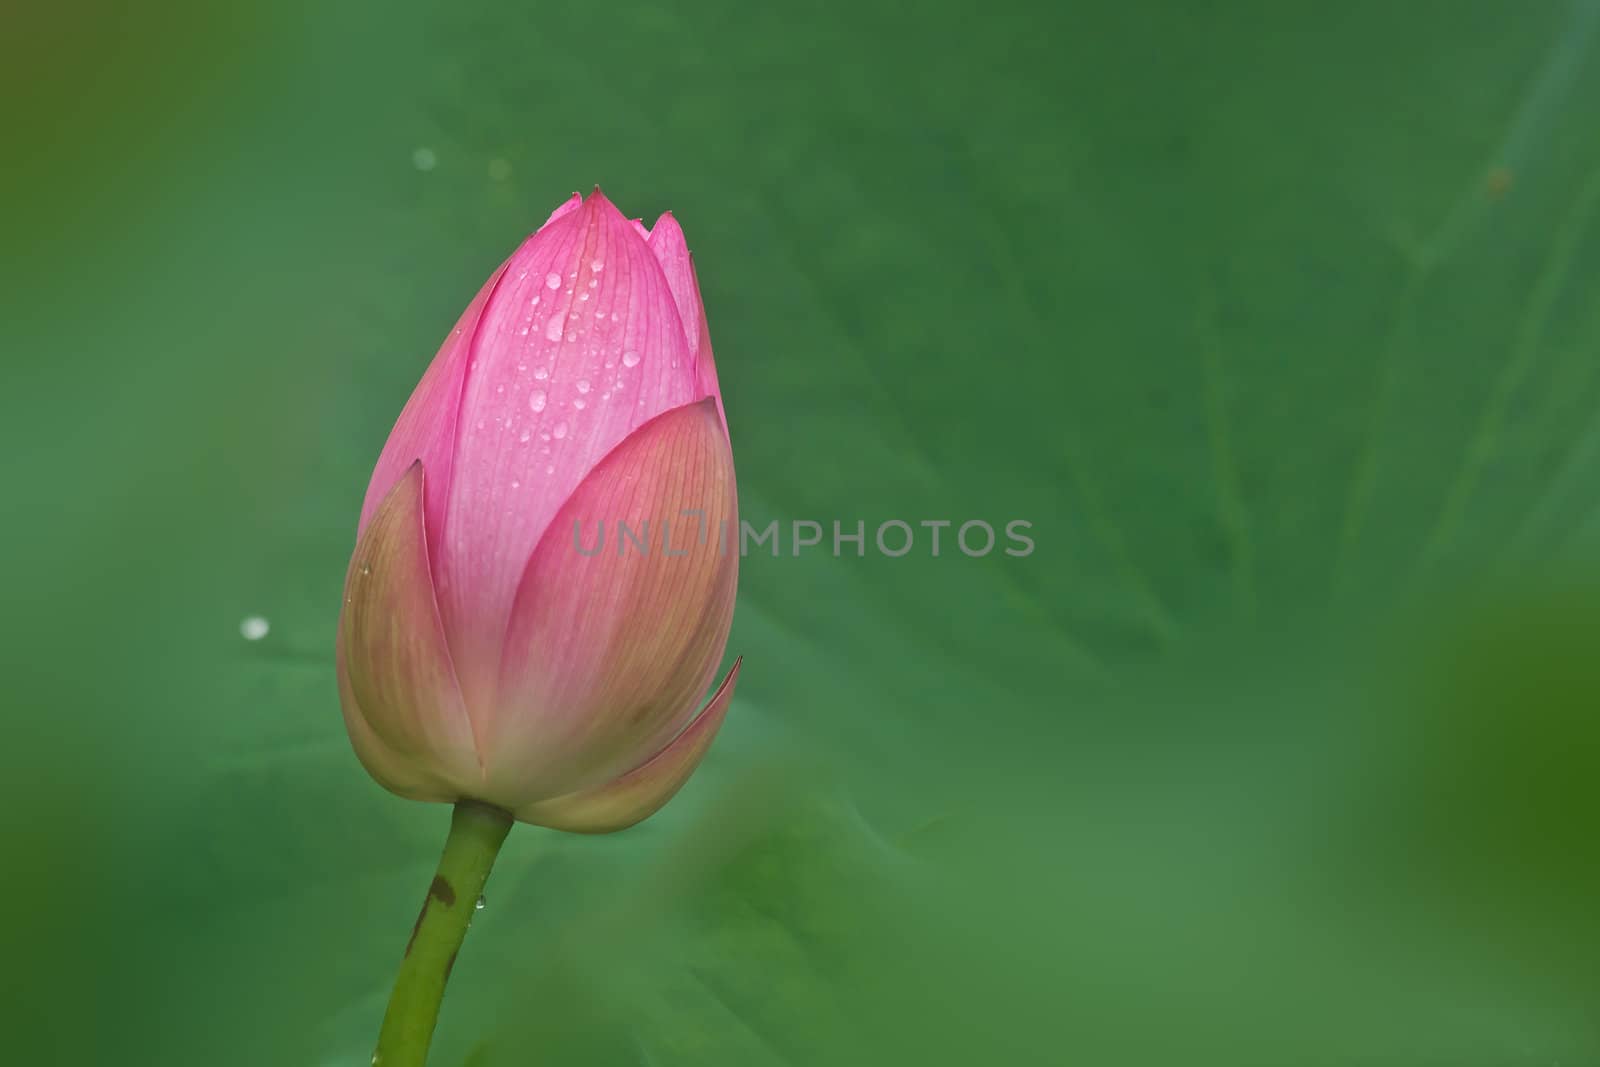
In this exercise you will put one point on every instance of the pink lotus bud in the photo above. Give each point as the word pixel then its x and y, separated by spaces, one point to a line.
pixel 504 638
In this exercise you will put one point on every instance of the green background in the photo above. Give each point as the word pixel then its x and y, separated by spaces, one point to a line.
pixel 1277 320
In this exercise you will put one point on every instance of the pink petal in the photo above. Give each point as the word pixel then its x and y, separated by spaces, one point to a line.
pixel 667 242
pixel 426 428
pixel 560 376
pixel 412 779
pixel 567 207
pixel 396 667
pixel 643 791
pixel 604 651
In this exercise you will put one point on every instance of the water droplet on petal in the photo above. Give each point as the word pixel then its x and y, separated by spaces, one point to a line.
pixel 542 373
pixel 254 627
pixel 583 385
pixel 553 331
pixel 550 469
pixel 559 430
pixel 482 900
pixel 630 359
pixel 579 403
pixel 552 281
pixel 597 265
pixel 536 401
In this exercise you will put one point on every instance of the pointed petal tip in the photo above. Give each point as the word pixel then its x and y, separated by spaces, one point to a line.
pixel 566 207
pixel 667 229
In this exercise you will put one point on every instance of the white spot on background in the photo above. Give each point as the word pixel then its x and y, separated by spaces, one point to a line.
pixel 254 628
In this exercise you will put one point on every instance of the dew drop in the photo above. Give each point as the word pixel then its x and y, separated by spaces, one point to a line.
pixel 516 485
pixel 536 401
pixel 424 159
pixel 526 434
pixel 583 385
pixel 552 281
pixel 579 403
pixel 583 298
pixel 597 265
pixel 559 430
pixel 553 331
pixel 254 628
pixel 550 469
pixel 593 282
pixel 630 359
pixel 542 373
pixel 482 900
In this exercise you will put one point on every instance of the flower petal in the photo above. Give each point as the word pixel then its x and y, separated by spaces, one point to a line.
pixel 667 242
pixel 607 645
pixel 562 373
pixel 643 791
pixel 395 662
pixel 426 428
pixel 411 779
pixel 567 207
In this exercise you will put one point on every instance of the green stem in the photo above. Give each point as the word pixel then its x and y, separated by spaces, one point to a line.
pixel 476 833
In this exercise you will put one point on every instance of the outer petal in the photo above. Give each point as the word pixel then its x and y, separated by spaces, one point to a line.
pixel 397 675
pixel 426 428
pixel 412 779
pixel 643 791
pixel 667 242
pixel 561 374
pixel 605 651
